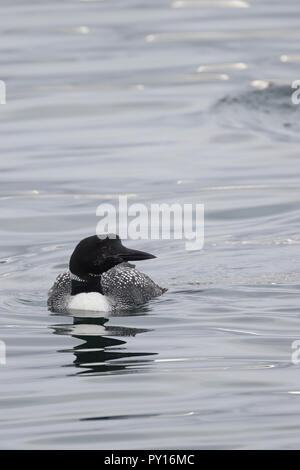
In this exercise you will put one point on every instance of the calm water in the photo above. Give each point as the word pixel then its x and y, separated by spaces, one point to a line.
pixel 164 103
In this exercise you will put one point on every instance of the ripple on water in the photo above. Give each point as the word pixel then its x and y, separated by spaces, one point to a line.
pixel 268 111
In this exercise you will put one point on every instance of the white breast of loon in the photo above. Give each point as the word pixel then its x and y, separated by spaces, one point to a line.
pixel 92 301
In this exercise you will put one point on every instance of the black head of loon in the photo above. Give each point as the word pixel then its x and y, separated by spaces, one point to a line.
pixel 94 255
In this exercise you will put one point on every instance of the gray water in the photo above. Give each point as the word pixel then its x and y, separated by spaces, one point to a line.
pixel 104 98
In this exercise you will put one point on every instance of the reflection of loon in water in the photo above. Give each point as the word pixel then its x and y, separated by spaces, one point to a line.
pixel 101 352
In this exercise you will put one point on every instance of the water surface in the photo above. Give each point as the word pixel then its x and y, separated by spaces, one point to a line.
pixel 185 102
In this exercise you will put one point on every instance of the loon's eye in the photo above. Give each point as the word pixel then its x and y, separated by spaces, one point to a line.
pixel 104 249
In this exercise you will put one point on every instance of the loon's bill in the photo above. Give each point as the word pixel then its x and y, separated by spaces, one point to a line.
pixel 101 279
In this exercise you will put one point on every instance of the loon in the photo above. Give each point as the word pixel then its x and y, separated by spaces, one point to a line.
pixel 101 279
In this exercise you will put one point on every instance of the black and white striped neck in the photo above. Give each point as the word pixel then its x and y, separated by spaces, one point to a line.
pixel 79 285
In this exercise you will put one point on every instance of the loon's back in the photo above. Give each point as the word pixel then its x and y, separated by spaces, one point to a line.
pixel 126 286
pixel 123 286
